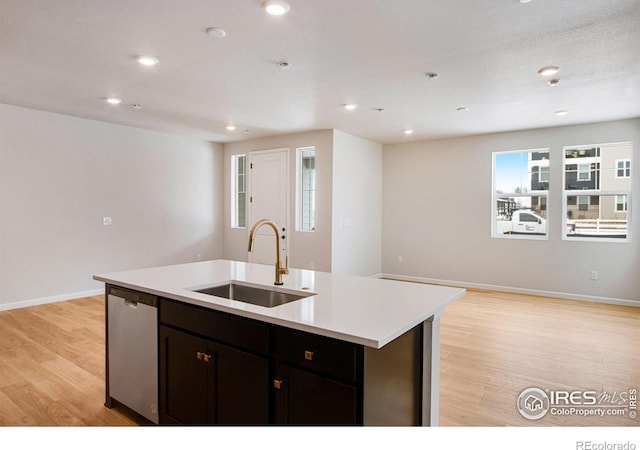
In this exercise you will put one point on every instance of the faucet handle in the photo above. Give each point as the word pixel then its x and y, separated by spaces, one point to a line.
pixel 285 270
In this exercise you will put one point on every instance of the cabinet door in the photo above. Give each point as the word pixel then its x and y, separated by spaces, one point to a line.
pixel 184 379
pixel 241 387
pixel 304 398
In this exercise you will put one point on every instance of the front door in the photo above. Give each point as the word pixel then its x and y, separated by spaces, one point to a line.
pixel 269 199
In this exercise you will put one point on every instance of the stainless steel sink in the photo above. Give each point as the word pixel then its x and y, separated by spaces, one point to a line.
pixel 256 296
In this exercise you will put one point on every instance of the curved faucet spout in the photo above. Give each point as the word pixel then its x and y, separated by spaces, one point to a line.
pixel 280 269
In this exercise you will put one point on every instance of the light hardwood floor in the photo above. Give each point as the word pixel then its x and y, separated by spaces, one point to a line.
pixel 493 345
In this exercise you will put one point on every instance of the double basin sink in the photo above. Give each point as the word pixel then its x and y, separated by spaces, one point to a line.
pixel 267 298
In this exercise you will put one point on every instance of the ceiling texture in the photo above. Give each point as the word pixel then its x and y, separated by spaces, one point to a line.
pixel 67 56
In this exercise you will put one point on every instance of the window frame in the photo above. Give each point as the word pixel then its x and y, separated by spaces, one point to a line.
pixel 583 205
pixel 626 168
pixel 495 196
pixel 300 191
pixel 614 193
pixel 578 172
pixel 235 219
pixel 623 203
pixel 547 172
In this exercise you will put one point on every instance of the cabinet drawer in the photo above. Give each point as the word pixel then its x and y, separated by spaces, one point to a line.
pixel 237 331
pixel 318 353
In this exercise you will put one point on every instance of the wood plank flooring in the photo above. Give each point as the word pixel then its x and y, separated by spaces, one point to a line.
pixel 493 345
pixel 52 366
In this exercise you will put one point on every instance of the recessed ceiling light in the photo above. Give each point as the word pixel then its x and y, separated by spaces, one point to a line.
pixel 231 127
pixel 462 108
pixel 114 100
pixel 562 112
pixel 148 60
pixel 553 82
pixel 216 32
pixel 136 106
pixel 350 106
pixel 525 1
pixel 548 71
pixel 276 7
pixel 408 132
pixel 283 64
pixel 431 75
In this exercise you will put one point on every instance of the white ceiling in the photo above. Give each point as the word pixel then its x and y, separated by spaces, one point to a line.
pixel 66 56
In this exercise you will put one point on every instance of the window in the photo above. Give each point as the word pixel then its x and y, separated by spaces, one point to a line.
pixel 584 172
pixel 238 191
pixel 526 217
pixel 544 174
pixel 583 203
pixel 306 189
pixel 520 194
pixel 623 168
pixel 596 206
pixel 621 203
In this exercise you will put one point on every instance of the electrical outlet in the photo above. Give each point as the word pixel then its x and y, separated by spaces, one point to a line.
pixel 399 259
pixel 311 265
pixel 594 275
pixel 106 221
pixel 199 257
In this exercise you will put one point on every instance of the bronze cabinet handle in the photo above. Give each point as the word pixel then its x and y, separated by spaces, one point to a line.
pixel 308 355
pixel 278 383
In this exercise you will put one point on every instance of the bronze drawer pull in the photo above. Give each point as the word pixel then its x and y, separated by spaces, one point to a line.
pixel 278 383
pixel 308 355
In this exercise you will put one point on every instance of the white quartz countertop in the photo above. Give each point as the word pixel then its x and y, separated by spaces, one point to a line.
pixel 362 310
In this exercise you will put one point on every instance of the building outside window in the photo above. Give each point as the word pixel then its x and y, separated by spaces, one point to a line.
pixel 238 191
pixel 596 189
pixel 520 194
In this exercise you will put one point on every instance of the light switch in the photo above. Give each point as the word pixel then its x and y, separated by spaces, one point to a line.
pixel 106 221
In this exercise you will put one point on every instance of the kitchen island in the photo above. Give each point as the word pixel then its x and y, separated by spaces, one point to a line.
pixel 352 350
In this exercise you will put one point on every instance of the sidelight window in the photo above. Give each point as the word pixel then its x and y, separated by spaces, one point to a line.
pixel 306 189
pixel 238 191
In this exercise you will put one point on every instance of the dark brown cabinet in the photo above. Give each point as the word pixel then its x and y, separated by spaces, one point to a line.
pixel 219 368
pixel 307 398
pixel 185 389
pixel 318 380
pixel 208 382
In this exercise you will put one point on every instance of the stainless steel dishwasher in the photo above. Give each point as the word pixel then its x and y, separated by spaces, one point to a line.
pixel 132 351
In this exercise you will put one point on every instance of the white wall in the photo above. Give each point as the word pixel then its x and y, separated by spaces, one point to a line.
pixel 437 216
pixel 59 175
pixel 357 205
pixel 304 247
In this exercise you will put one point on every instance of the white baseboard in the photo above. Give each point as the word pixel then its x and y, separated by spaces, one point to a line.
pixel 515 290
pixel 45 300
